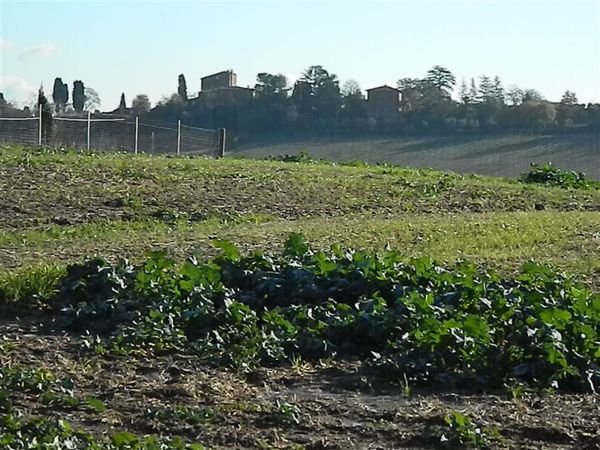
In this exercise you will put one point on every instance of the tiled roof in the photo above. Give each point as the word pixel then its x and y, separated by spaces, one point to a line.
pixel 385 86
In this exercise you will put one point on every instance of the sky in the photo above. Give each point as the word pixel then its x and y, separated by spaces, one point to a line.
pixel 140 47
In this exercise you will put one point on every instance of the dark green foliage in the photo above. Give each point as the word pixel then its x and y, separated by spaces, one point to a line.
pixel 90 292
pixel 122 104
pixel 271 86
pixel 303 157
pixel 441 78
pixel 46 434
pixel 317 98
pixel 49 389
pixel 45 110
pixel 463 432
pixel 269 110
pixel 548 174
pixel 78 95
pixel 140 104
pixel 182 88
pixel 318 107
pixel 405 319
pixel 60 95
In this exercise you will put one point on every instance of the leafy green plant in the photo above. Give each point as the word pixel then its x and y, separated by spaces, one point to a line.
pixel 49 389
pixel 46 434
pixel 286 413
pixel 548 174
pixel 463 431
pixel 6 403
pixel 409 320
pixel 95 404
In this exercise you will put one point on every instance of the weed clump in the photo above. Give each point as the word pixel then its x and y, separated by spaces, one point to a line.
pixel 550 175
pixel 301 157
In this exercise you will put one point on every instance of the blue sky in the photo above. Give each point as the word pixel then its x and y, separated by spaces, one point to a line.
pixel 140 47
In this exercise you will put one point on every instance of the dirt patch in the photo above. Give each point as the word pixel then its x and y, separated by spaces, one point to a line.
pixel 309 406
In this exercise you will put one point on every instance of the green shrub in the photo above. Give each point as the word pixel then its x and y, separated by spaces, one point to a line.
pixel 548 174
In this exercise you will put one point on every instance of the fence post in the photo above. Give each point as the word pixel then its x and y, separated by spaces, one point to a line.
pixel 178 137
pixel 137 129
pixel 221 147
pixel 40 126
pixel 89 126
pixel 152 145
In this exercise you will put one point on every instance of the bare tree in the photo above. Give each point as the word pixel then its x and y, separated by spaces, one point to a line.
pixel 92 99
pixel 140 104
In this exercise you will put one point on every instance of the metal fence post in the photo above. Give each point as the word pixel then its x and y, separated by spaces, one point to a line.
pixel 89 127
pixel 137 129
pixel 178 137
pixel 221 147
pixel 152 144
pixel 40 126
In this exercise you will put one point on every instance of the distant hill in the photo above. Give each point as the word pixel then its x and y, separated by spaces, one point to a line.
pixel 497 155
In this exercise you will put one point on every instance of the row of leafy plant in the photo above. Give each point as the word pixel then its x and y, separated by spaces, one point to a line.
pixel 19 385
pixel 42 433
pixel 554 176
pixel 408 320
pixel 39 383
pixel 19 433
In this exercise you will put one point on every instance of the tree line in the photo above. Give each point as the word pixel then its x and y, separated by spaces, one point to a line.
pixel 317 104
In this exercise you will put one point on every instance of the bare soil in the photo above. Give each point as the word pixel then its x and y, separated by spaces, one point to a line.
pixel 339 407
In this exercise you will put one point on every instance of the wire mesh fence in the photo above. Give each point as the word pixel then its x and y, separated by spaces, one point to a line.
pixel 106 133
pixel 23 131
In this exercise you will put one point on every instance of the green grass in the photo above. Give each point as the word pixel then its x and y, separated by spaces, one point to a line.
pixel 41 189
pixel 59 207
pixel 30 285
pixel 569 239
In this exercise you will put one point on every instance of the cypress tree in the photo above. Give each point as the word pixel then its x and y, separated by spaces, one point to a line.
pixel 78 95
pixel 182 88
pixel 122 104
pixel 60 94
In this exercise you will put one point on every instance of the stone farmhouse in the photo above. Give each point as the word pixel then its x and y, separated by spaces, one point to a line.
pixel 383 101
pixel 221 89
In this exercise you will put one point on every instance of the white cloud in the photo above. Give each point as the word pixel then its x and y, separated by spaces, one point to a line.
pixel 292 78
pixel 16 89
pixel 40 50
pixel 4 44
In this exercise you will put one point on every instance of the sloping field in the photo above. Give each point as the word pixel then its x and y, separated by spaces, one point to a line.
pixel 227 329
pixel 122 205
pixel 506 156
